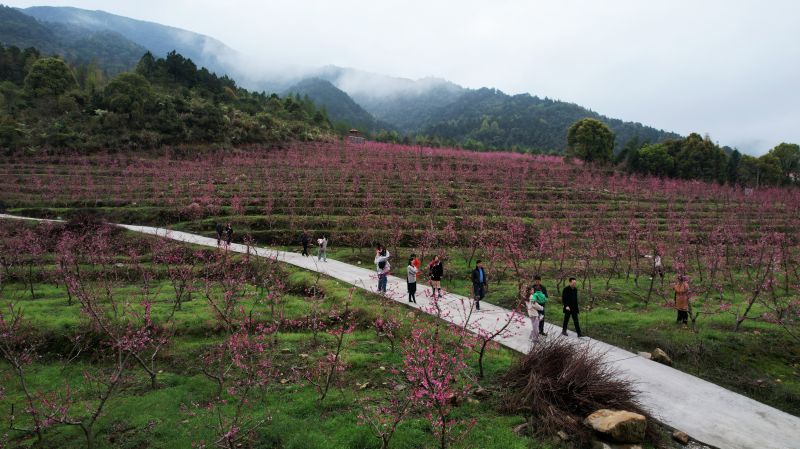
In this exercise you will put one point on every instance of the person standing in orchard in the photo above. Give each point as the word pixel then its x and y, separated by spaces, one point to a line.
pixel 569 298
pixel 218 228
pixel 682 299
pixel 411 277
pixel 322 252
pixel 479 283
pixel 228 234
pixel 542 299
pixel 436 271
pixel 304 241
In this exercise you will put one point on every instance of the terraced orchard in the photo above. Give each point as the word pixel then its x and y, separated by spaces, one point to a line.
pixel 521 214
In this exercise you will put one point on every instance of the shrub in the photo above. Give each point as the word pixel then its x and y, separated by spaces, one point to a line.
pixel 558 383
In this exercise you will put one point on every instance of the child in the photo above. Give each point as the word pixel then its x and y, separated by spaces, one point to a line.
pixel 535 307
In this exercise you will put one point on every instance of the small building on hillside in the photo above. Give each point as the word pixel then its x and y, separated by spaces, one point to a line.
pixel 354 137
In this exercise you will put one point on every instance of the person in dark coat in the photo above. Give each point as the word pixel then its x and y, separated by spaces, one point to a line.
pixel 228 234
pixel 436 271
pixel 569 298
pixel 218 228
pixel 479 283
pixel 304 240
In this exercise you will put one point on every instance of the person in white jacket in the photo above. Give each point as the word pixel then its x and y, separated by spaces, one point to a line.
pixel 382 266
pixel 322 254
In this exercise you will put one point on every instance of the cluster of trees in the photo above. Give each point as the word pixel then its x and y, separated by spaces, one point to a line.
pixel 693 157
pixel 45 103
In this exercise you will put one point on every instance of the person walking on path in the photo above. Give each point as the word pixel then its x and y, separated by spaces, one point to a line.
pixel 228 234
pixel 479 283
pixel 218 228
pixel 436 271
pixel 322 252
pixel 411 277
pixel 382 266
pixel 538 287
pixel 535 309
pixel 569 298
pixel 682 299
pixel 304 241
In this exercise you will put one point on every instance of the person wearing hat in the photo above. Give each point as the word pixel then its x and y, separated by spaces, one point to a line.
pixel 682 299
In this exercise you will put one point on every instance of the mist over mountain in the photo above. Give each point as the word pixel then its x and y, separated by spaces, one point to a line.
pixel 431 107
pixel 111 51
pixel 340 107
pixel 156 38
pixel 401 102
pixel 479 118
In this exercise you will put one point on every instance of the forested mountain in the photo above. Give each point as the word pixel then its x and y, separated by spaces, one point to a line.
pixel 435 109
pixel 404 103
pixel 110 51
pixel 166 101
pixel 156 38
pixel 427 110
pixel 489 118
pixel 340 107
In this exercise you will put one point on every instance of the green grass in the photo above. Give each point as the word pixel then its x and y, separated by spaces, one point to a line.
pixel 172 416
pixel 761 360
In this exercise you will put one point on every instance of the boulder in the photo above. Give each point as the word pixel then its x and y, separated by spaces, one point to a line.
pixel 680 437
pixel 619 425
pixel 660 356
pixel 645 355
pixel 480 392
pixel 521 429
pixel 563 435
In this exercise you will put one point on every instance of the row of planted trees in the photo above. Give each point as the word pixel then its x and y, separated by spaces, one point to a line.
pixel 131 293
pixel 733 269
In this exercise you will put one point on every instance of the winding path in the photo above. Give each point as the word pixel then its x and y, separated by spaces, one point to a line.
pixel 707 412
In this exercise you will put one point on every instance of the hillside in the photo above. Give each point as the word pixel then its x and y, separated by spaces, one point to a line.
pixel 494 119
pixel 476 118
pixel 339 106
pixel 109 50
pixel 401 102
pixel 431 109
pixel 166 101
pixel 156 38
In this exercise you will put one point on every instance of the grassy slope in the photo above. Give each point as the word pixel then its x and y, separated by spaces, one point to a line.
pixel 170 418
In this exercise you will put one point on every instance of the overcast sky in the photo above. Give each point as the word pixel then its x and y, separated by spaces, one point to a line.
pixel 727 68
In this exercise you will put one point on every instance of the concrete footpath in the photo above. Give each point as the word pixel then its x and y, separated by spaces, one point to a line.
pixel 707 412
